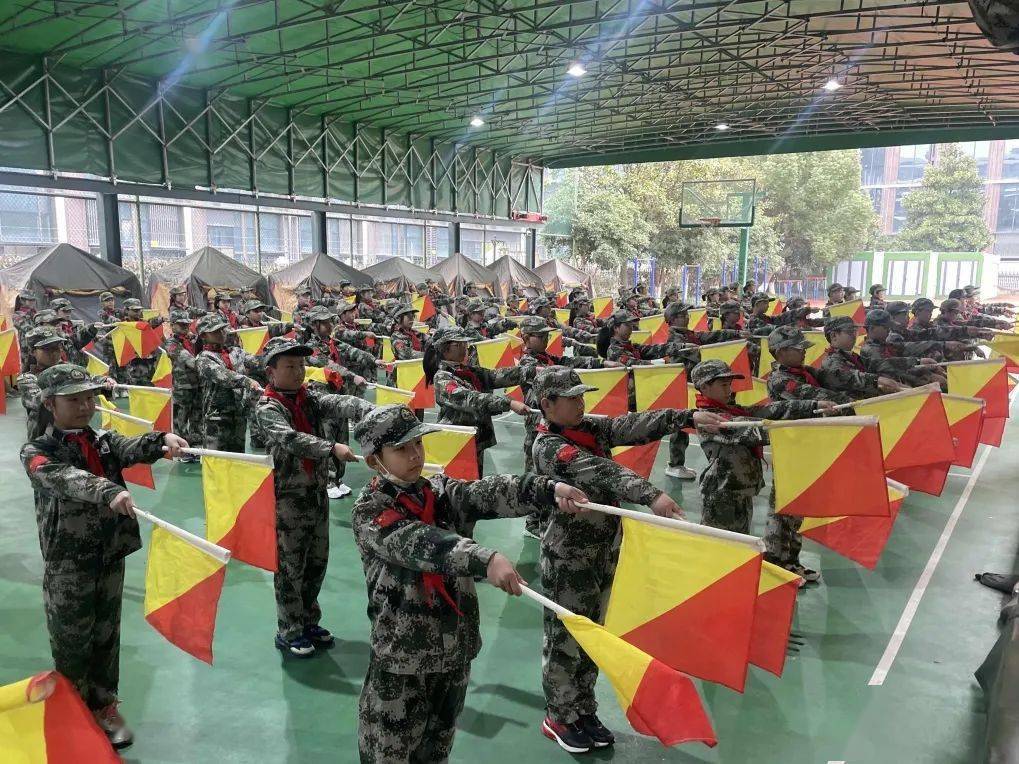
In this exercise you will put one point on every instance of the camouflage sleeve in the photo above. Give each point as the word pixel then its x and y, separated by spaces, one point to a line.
pixel 785 388
pixel 403 349
pixel 643 426
pixel 216 373
pixel 507 377
pixel 277 329
pixel 583 349
pixel 595 475
pixel 577 362
pixel 618 353
pixel 795 409
pixel 31 393
pixel 339 407
pixel 658 350
pixel 64 480
pixel 498 495
pixel 452 393
pixel 718 335
pixel 140 449
pixel 843 378
pixel 380 528
pixel 277 430
pixel 577 334
pixel 742 436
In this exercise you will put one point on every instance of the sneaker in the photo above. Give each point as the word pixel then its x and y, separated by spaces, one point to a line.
pixel 808 575
pixel 319 637
pixel 299 647
pixel 680 472
pixel 345 490
pixel 570 737
pixel 333 492
pixel 113 725
pixel 528 533
pixel 600 735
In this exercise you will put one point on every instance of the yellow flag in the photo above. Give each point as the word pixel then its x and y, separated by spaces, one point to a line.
pixel 253 339
pixel 96 367
pixel 240 507
pixel 454 448
pixel 153 404
pixel 1006 346
pixel 385 395
pixel 815 354
pixel 757 396
pixel 495 354
pixel 562 315
pixel 660 387
pixel 387 349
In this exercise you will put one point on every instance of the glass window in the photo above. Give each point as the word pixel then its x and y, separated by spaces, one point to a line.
pixel 436 243
pixel 980 151
pixel 472 242
pixel 27 219
pixel 269 234
pixel 852 273
pixel 505 241
pixel 875 198
pixel 905 277
pixel 955 274
pixel 912 162
pixel 338 238
pixel 899 215
pixel 873 164
pixel 1010 164
pixel 1008 208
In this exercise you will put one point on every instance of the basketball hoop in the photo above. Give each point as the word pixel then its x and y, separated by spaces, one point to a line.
pixel 709 222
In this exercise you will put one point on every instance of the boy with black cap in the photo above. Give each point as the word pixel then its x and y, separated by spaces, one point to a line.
pixel 420 567
pixel 107 309
pixel 86 529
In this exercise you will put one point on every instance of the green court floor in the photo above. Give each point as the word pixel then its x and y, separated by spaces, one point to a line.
pixel 253 706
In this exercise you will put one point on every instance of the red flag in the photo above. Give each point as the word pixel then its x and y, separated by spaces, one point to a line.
pixel 773 617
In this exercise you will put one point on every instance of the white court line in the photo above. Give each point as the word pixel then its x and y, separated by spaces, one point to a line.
pixel 899 635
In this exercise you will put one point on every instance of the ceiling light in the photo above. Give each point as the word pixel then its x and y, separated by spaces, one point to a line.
pixel 477 122
pixel 721 126
pixel 832 85
pixel 576 70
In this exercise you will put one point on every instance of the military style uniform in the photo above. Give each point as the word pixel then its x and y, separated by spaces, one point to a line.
pixel 419 568
pixel 187 388
pixel 843 371
pixel 225 379
pixel 83 542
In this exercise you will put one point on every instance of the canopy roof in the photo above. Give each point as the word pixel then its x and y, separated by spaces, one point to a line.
pixel 203 271
pixel 65 271
pixel 510 272
pixel 660 76
pixel 559 275
pixel 457 269
pixel 394 274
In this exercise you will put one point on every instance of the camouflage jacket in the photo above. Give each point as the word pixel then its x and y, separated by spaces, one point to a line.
pixel 353 336
pixel 940 331
pixel 787 383
pixel 735 463
pixel 323 358
pixel 762 326
pixel 276 328
pixel 226 391
pixel 300 315
pixel 185 368
pixel 885 359
pixel 584 357
pixel 403 344
pixel 23 320
pixel 108 317
pixel 688 337
pixel 414 630
pixel 464 395
pixel 373 311
pixel 72 504
pixel 630 354
pixel 289 447
pixel 845 371
pixel 343 355
pixel 586 324
pixel 37 416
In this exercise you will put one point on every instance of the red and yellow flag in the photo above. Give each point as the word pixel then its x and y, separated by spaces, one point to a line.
pixel 555 344
pixel 764 366
pixel 965 421
pixel 387 354
pixel 815 353
pixel 603 307
pixel 986 379
pixel 656 700
pixel 640 337
pixel 737 355
pixel 410 375
pixel 773 617
pixel 10 353
pixel 860 539
pixel 686 599
pixel 182 588
pixel 828 467
pixel 775 307
pixel 612 396
pixel 1006 346
pixel 640 459
pixel 562 315
pixel 240 506
pixel 515 393
pixel 699 320
pixel 135 339
pixel 95 366
pixel 757 396
pixel 852 308
pixel 660 387
pixel 162 375
pixel 153 404
pixel 130 427
pixel 43 720
pixel 655 324
pixel 253 339
pixel 914 428
pixel 496 353
pixel 453 447
pixel 424 306
pixel 562 299
pixel 385 395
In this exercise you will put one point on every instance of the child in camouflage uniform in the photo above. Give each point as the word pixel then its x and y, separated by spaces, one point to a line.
pixel 291 417
pixel 578 552
pixel 187 389
pixel 420 569
pixel 86 529
pixel 842 370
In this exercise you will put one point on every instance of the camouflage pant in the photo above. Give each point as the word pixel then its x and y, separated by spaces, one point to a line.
pixel 578 579
pixel 782 540
pixel 83 618
pixel 302 543
pixel 678 444
pixel 187 415
pixel 726 510
pixel 409 717
pixel 255 431
pixel 225 432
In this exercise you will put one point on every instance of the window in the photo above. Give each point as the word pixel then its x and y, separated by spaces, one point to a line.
pixel 899 215
pixel 269 234
pixel 912 162
pixel 472 242
pixel 27 219
pixel 1010 163
pixel 339 239
pixel 955 274
pixel 980 151
pixel 852 273
pixel 904 277
pixel 875 198
pixel 436 243
pixel 1008 208
pixel 873 163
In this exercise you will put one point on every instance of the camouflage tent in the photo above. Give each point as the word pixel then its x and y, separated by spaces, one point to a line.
pixel 394 274
pixel 560 276
pixel 65 271
pixel 510 272
pixel 204 273
pixel 456 270
pixel 320 273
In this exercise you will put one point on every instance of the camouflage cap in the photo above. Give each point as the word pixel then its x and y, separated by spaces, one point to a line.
pixel 284 346
pixel 878 317
pixel 180 317
pixel 709 371
pixel 27 296
pixel 836 324
pixel 41 336
pixel 534 325
pixel 970 289
pixel 894 338
pixel 421 285
pixel 875 288
pixel 223 297
pixel 46 317
pixel 60 304
pixel 580 298
pixel 674 309
pixel 951 304
pixel 448 334
pixel 251 305
pixel 178 290
pixel 835 287
pixel 365 288
pixel 897 307
pixel 212 322
pixel 66 379
pixel 795 303
pixel 392 425
pixel 787 337
pixel 559 381
pixel 710 292
pixel 106 297
pixel 761 297
pixel 922 303
pixel 302 291
pixel 957 294
pixel 321 313
pixel 402 309
pixel 344 283
pixel 132 303
pixel 729 306
pixel 475 306
pixel 851 290
pixel 538 302
pixel 342 306
pixel 623 317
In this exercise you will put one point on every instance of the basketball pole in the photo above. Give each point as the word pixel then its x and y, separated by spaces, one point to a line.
pixel 744 255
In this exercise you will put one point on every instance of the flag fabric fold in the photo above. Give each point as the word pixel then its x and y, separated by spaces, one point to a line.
pixel 240 507
pixel 1006 346
pixel 984 379
pixel 655 324
pixel 495 353
pixel 454 447
pixel 162 375
pixel 737 355
pixel 914 427
pixel 96 367
pixel 756 396
pixel 698 320
pixel 815 353
pixel 10 353
pixel 153 404
pixel 965 422
pixel 135 339
pixel 612 396
pixel 385 395
pixel 253 339
pixel 603 307
pixel 660 387
pixel 424 306
pixel 773 617
pixel 852 308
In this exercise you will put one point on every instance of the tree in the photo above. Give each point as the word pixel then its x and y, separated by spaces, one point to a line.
pixel 818 206
pixel 946 212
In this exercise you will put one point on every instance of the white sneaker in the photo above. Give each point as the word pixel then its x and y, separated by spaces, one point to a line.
pixel 344 490
pixel 333 492
pixel 683 473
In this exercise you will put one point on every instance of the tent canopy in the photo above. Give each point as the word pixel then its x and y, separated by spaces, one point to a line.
pixel 318 272
pixel 510 272
pixel 394 274
pixel 201 272
pixel 457 269
pixel 66 271
pixel 559 276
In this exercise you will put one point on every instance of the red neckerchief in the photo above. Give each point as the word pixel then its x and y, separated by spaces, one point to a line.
pixel 803 374
pixel 334 354
pixel 67 327
pixel 186 342
pixel 230 316
pixel 582 438
pixel 297 406
pixel 224 354
pixel 88 450
pixel 410 334
pixel 425 513
pixel 466 373
pixel 854 358
pixel 543 357
pixel 704 402
pixel 630 348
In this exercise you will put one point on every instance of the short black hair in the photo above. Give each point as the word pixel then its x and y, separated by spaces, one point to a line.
pixel 271 363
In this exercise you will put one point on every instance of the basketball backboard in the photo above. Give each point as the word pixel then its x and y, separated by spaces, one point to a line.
pixel 722 203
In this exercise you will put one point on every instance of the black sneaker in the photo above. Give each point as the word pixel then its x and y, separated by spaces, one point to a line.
pixel 319 637
pixel 299 647
pixel 808 575
pixel 599 734
pixel 570 737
